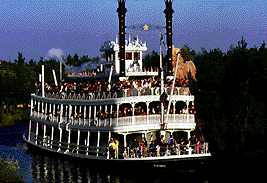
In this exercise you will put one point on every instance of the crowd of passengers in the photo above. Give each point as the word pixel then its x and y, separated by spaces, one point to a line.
pixel 159 147
pixel 138 111
pixel 125 112
pixel 141 111
pixel 104 86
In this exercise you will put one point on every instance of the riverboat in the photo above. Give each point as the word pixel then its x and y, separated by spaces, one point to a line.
pixel 128 122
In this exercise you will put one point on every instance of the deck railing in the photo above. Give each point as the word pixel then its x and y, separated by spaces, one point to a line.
pixel 117 94
pixel 123 153
pixel 173 119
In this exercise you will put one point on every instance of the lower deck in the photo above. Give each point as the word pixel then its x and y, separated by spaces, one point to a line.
pixel 97 145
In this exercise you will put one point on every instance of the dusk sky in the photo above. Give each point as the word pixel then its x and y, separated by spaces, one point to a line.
pixel 34 27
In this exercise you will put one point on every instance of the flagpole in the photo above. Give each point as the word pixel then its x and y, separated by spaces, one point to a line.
pixel 147 27
pixel 161 85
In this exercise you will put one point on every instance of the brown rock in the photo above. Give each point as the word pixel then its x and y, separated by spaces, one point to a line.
pixel 183 67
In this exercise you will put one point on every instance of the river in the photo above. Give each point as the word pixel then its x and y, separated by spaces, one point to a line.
pixel 42 168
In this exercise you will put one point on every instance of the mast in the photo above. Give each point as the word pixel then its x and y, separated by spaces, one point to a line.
pixel 43 88
pixel 121 13
pixel 168 13
pixel 173 83
pixel 162 82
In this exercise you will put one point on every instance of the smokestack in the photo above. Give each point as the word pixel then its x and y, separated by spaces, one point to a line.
pixel 121 13
pixel 168 13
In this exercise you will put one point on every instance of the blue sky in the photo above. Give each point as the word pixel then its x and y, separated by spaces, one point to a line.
pixel 34 27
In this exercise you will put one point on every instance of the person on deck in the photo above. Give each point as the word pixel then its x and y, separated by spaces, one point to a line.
pixel 112 147
pixel 135 146
pixel 171 141
pixel 152 148
pixel 116 148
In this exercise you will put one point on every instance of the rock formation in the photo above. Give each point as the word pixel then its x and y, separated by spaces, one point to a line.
pixel 183 67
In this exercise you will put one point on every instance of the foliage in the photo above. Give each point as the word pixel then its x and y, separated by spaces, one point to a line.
pixel 76 61
pixel 151 60
pixel 9 171
pixel 229 97
pixel 187 53
pixel 18 78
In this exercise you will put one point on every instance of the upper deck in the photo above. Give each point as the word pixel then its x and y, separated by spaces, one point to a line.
pixel 115 97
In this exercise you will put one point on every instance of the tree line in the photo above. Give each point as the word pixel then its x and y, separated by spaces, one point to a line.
pixel 229 90
pixel 230 99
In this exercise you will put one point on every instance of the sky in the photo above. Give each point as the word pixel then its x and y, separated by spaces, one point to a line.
pixel 33 27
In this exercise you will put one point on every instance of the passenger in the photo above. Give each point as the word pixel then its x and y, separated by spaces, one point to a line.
pixel 116 148
pixel 189 143
pixel 152 148
pixel 143 112
pixel 152 111
pixel 135 146
pixel 193 139
pixel 145 142
pixel 183 146
pixel 185 110
pixel 171 141
pixel 125 153
pixel 125 112
pixel 158 150
pixel 176 147
pixel 167 151
pixel 141 148
pixel 198 147
pixel 112 147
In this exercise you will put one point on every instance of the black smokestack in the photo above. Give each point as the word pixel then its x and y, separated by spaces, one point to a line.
pixel 168 13
pixel 121 13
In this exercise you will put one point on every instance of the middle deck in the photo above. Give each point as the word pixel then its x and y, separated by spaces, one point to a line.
pixel 126 111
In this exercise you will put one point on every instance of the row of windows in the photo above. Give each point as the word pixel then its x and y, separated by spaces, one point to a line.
pixel 129 55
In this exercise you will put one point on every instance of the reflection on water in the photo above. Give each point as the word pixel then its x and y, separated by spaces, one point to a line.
pixel 55 169
pixel 42 168
pixel 50 169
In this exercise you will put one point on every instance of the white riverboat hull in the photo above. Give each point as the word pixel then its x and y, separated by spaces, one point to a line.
pixel 188 163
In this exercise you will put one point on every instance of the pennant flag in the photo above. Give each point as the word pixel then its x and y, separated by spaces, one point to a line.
pixel 163 42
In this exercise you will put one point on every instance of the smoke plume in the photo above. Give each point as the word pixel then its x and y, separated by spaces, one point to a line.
pixel 56 53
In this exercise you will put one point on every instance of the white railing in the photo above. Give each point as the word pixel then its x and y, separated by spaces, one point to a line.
pixel 128 153
pixel 154 91
pixel 145 121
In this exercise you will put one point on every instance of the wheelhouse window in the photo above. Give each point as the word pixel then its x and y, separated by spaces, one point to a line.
pixel 137 56
pixel 128 55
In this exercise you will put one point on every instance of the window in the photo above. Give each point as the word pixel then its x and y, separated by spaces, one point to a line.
pixel 128 55
pixel 137 56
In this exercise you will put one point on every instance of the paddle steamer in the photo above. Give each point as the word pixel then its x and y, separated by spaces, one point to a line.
pixel 85 125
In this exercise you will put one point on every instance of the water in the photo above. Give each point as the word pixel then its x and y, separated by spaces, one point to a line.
pixel 42 168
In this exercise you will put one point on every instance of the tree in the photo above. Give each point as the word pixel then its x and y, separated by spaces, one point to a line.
pixel 230 99
pixel 151 60
pixel 187 53
pixel 69 60
pixel 20 60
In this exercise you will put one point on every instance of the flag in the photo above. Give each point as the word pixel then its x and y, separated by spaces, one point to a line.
pixel 163 42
